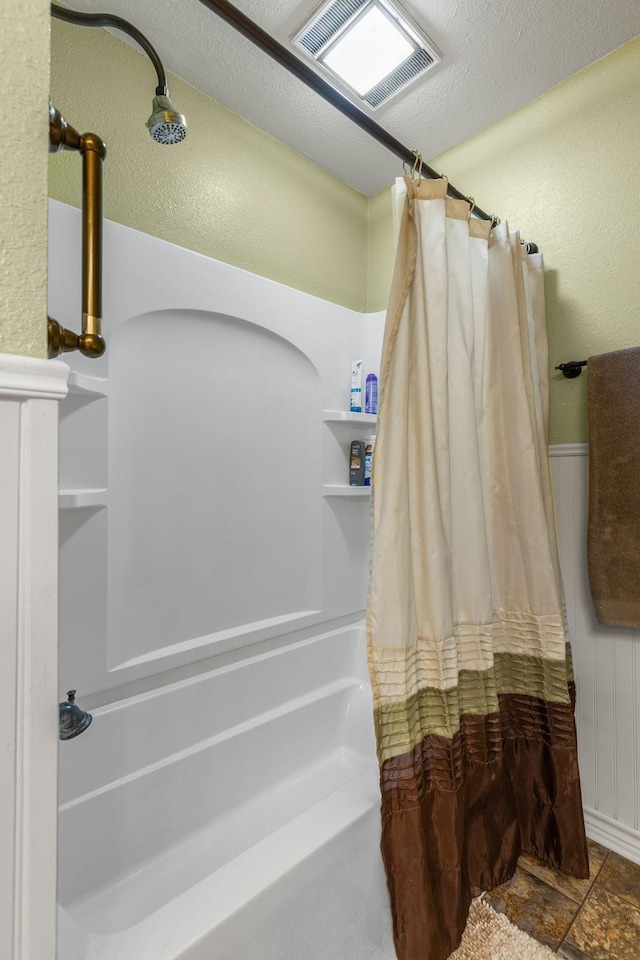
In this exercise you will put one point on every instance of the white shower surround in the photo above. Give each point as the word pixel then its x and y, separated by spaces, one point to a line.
pixel 301 879
pixel 224 801
pixel 179 386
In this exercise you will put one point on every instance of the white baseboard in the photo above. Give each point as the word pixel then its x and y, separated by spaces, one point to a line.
pixel 612 834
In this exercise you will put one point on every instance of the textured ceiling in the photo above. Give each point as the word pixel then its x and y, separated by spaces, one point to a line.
pixel 497 55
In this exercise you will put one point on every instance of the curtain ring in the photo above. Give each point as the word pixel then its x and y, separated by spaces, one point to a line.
pixel 417 166
pixel 495 221
pixel 407 172
pixel 473 205
pixel 443 176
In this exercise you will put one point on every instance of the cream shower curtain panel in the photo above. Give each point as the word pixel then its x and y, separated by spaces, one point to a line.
pixel 471 671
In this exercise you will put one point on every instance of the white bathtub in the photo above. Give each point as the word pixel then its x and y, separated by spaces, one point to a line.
pixel 231 810
pixel 230 816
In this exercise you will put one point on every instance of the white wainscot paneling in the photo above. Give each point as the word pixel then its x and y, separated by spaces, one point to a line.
pixel 607 668
pixel 30 390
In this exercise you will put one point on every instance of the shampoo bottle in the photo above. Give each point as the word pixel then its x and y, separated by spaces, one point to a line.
pixel 356 387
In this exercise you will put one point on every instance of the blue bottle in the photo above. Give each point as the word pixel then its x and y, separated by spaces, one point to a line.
pixel 371 394
pixel 369 444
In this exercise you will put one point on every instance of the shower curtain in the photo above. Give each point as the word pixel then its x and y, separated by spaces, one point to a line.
pixel 471 671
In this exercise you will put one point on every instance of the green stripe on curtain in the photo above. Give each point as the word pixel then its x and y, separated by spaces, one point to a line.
pixel 401 726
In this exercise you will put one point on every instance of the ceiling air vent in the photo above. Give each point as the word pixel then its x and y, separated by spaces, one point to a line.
pixel 371 46
pixel 408 71
pixel 325 26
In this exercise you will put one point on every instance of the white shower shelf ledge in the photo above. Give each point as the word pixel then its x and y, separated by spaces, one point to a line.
pixel 86 385
pixel 346 416
pixel 87 497
pixel 344 490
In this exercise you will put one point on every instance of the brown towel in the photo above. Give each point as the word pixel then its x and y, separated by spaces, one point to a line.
pixel 613 540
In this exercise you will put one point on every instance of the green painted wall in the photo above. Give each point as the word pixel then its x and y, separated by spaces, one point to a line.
pixel 24 72
pixel 380 250
pixel 228 191
pixel 565 170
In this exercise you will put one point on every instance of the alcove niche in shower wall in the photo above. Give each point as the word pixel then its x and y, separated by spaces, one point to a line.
pixel 214 517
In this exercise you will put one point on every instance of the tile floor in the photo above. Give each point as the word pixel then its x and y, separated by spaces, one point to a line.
pixel 595 919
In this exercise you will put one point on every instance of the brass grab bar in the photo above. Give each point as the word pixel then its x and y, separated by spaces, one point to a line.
pixel 62 136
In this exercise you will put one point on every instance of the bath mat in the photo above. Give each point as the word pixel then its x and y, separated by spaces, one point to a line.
pixel 490 936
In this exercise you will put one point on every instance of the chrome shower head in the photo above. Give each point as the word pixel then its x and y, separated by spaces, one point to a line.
pixel 165 124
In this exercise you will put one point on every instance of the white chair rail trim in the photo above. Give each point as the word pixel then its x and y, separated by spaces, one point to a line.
pixel 24 378
pixel 569 450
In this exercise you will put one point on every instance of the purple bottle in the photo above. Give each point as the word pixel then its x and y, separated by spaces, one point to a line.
pixel 371 394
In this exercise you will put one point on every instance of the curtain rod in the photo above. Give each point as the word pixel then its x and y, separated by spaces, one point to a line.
pixel 269 45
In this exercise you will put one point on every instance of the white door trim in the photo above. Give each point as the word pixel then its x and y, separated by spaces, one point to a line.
pixel 29 393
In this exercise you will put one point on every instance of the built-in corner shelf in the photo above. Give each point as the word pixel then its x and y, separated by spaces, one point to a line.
pixel 343 490
pixel 73 499
pixel 89 387
pixel 346 416
pixel 336 457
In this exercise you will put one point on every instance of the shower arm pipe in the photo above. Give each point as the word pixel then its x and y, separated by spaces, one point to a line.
pixel 117 23
pixel 62 136
pixel 290 62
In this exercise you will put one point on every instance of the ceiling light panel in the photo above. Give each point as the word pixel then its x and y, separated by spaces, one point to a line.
pixel 371 46
pixel 368 51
